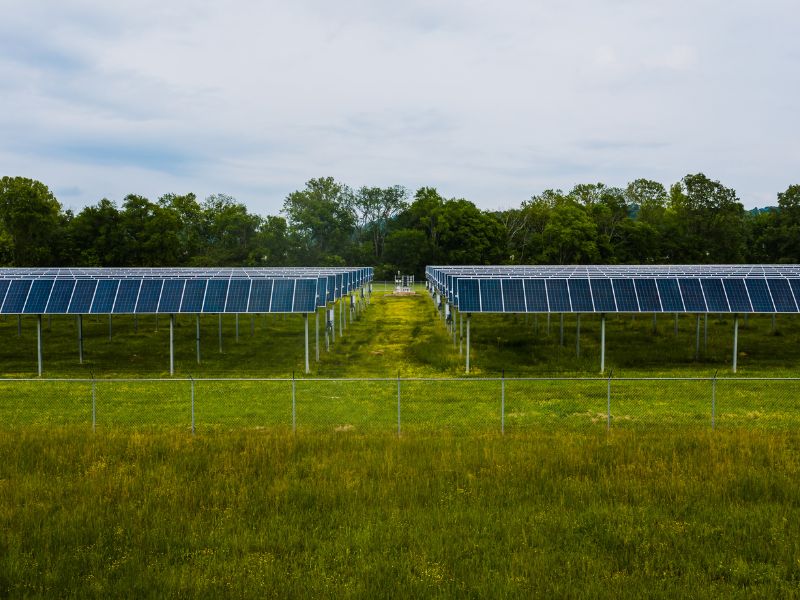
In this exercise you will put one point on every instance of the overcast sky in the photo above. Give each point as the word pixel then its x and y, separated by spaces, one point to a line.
pixel 490 101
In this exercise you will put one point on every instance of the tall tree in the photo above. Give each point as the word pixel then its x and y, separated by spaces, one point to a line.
pixel 373 209
pixel 30 222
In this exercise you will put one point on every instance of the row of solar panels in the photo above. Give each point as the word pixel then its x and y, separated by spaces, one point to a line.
pixel 147 296
pixel 680 295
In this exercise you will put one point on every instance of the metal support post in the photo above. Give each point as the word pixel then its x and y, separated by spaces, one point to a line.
pixel 237 328
pixel 608 402
pixel 316 333
pixel 578 335
pixel 39 342
pixel 80 339
pixel 714 401
pixel 341 317
pixel 503 403
pixel 294 404
pixel 398 403
pixel 197 336
pixel 548 324
pixel 171 344
pixel 705 332
pixel 305 321
pixel 735 340
pixel 191 379
pixel 697 338
pixel 602 342
pixel 220 332
pixel 468 320
pixel 561 337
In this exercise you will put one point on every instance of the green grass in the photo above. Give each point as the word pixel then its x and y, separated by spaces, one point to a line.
pixel 269 514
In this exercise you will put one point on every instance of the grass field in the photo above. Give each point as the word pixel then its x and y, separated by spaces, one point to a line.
pixel 660 506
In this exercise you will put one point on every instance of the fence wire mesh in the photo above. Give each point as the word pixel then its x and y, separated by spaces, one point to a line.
pixel 403 405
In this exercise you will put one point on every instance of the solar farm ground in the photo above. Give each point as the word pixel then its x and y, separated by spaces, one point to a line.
pixel 552 508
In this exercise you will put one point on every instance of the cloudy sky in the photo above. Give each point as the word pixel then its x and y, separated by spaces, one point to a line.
pixel 491 101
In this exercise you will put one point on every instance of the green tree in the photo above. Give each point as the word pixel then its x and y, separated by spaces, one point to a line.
pixel 98 236
pixel 374 208
pixel 570 236
pixel 30 219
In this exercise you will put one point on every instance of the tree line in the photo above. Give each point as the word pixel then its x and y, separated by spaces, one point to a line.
pixel 327 223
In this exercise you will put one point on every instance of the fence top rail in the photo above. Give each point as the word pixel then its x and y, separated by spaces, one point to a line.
pixel 376 379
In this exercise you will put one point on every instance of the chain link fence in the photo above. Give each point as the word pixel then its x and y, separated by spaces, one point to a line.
pixel 403 405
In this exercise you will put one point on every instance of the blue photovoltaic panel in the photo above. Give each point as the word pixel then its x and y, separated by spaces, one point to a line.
pixel 60 296
pixel 322 291
pixel 603 295
pixel 15 299
pixel 581 295
pixel 535 295
pixel 171 295
pixel 625 294
pixel 38 296
pixel 759 295
pixel 558 296
pixel 715 295
pixel 216 291
pixel 238 295
pixel 782 295
pixel 491 296
pixel 193 295
pixel 282 294
pixel 468 295
pixel 260 294
pixel 692 293
pixel 647 293
pixel 339 280
pixel 305 296
pixel 737 295
pixel 104 296
pixel 149 295
pixel 670 295
pixel 82 296
pixel 331 291
pixel 127 294
pixel 795 284
pixel 4 283
pixel 513 296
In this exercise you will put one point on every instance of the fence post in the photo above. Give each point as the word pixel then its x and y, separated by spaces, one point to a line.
pixel 94 405
pixel 714 402
pixel 608 401
pixel 191 379
pixel 503 403
pixel 294 406
pixel 398 404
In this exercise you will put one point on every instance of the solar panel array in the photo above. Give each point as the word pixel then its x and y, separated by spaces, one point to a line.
pixel 621 288
pixel 153 291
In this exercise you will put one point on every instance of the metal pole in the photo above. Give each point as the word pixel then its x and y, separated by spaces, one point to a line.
pixel 341 316
pixel 608 402
pixel 192 380
pixel 39 341
pixel 548 324
pixel 171 344
pixel 714 401
pixel 156 321
pixel 197 336
pixel 460 334
pixel 220 333
pixel 602 342
pixel 237 328
pixel 697 339
pixel 735 340
pixel 294 405
pixel 578 336
pixel 305 319
pixel 80 339
pixel 503 403
pixel 468 319
pixel 398 403
pixel 705 333
pixel 316 333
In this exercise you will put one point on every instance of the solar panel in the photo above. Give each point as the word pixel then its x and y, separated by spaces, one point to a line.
pixel 127 294
pixel 322 291
pixel 193 294
pixel 60 296
pixel 603 295
pixel 581 295
pixel 557 295
pixel 782 295
pixel 647 293
pixel 670 295
pixel 38 296
pixel 16 296
pixel 148 296
pixel 737 295
pixel 491 295
pixel 282 296
pixel 238 296
pixel 514 296
pixel 535 295
pixel 260 294
pixel 82 296
pixel 4 283
pixel 104 296
pixel 468 295
pixel 759 296
pixel 795 285
pixel 171 295
pixel 305 296
pixel 692 292
pixel 216 291
pixel 625 294
pixel 715 295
